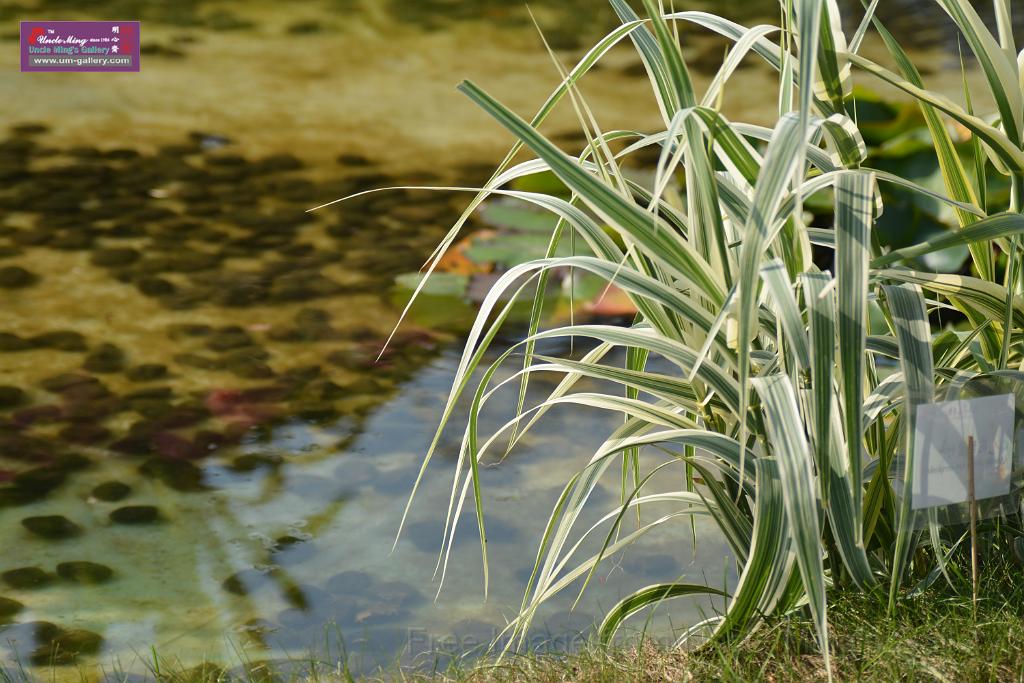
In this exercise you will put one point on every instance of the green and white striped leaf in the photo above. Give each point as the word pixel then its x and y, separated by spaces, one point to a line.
pixel 1001 146
pixel 799 493
pixel 821 311
pixel 987 297
pixel 906 305
pixel 781 290
pixel 998 64
pixel 782 160
pixel 985 230
pixel 648 231
pixel 853 220
pixel 647 597
pixel 769 565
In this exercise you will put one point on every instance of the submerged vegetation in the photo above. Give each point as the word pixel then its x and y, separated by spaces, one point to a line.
pixel 800 349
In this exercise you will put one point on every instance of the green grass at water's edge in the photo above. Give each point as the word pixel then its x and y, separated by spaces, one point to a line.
pixel 937 635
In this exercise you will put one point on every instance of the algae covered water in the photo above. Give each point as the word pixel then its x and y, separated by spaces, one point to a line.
pixel 203 451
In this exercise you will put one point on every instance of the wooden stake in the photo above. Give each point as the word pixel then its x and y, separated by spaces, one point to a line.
pixel 974 521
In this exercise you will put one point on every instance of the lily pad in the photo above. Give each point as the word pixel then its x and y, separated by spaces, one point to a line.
pixel 9 608
pixel 545 182
pixel 85 572
pixel 511 249
pixel 24 578
pixel 54 527
pixel 135 514
pixel 517 215
pixel 451 313
pixel 438 284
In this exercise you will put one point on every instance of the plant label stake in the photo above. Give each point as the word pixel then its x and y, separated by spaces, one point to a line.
pixel 973 503
pixel 941 476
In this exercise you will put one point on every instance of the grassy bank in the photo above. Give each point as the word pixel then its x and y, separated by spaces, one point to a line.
pixel 937 636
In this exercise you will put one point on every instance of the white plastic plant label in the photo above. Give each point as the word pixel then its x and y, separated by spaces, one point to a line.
pixel 940 450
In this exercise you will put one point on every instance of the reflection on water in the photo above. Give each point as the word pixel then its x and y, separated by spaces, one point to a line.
pixel 200 449
pixel 281 543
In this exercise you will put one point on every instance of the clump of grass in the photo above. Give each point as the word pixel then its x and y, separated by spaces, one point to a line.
pixel 782 417
pixel 938 636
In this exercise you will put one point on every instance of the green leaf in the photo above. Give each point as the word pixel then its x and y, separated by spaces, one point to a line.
pixel 799 493
pixel 646 597
pixel 769 563
pixel 986 230
pixel 781 289
pixel 911 320
pixel 661 242
pixel 440 284
pixel 821 309
pixel 1005 150
pixel 998 65
pixel 854 202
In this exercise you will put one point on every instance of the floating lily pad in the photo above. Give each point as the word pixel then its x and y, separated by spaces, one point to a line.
pixel 60 340
pixel 41 479
pixel 250 462
pixel 545 182
pixel 105 358
pixel 16 277
pixel 438 284
pixel 10 343
pixel 135 514
pixel 54 527
pixel 292 550
pixel 880 120
pixel 8 608
pixel 177 474
pixel 111 491
pixel 257 630
pixel 905 144
pixel 904 224
pixel 352 582
pixel 511 249
pixel 26 578
pixel 228 338
pixel 65 646
pixel 84 572
pixel 32 632
pixel 518 216
pixel 920 166
pixel 83 433
pixel 118 256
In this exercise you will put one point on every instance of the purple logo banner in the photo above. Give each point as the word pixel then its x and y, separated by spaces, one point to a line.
pixel 80 45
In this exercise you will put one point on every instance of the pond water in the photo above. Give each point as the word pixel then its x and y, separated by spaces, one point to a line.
pixel 199 449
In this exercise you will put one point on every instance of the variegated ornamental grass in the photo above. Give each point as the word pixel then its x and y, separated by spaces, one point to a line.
pixel 776 404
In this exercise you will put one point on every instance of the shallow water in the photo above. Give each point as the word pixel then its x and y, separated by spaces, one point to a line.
pixel 287 547
pixel 199 450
